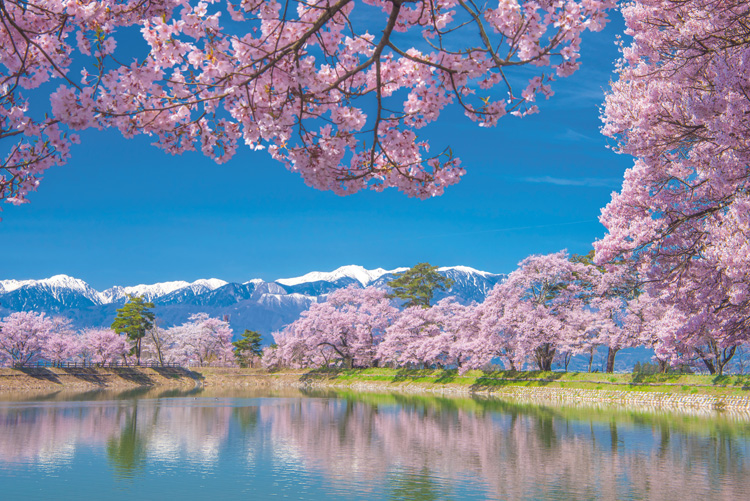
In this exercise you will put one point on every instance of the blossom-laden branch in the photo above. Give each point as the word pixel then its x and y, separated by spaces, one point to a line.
pixel 681 108
pixel 335 92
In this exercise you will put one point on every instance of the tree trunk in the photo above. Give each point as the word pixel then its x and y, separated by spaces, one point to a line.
pixel 709 365
pixel 566 360
pixel 591 358
pixel 544 356
pixel 157 344
pixel 723 359
pixel 611 352
pixel 663 365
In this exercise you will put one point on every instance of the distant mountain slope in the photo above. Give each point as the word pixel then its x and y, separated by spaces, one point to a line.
pixel 255 304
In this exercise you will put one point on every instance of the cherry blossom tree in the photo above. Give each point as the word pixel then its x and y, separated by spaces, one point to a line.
pixel 61 343
pixel 23 335
pixel 271 358
pixel 681 339
pixel 202 340
pixel 616 287
pixel 346 328
pixel 544 304
pixel 103 346
pixel 495 339
pixel 429 337
pixel 155 345
pixel 680 107
pixel 295 78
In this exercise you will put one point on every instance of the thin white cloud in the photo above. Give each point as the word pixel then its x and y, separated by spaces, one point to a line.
pixel 572 135
pixel 589 182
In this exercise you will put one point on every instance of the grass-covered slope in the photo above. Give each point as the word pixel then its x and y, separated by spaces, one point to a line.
pixel 479 380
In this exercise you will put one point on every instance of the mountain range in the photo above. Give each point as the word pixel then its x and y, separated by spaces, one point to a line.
pixel 255 304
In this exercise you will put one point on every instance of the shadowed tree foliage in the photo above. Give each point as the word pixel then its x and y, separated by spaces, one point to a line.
pixel 418 284
pixel 134 319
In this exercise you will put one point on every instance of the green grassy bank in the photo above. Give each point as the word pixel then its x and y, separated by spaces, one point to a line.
pixel 684 384
pixel 385 379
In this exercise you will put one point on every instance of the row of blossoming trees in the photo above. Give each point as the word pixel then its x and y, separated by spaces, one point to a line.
pixel 29 337
pixel 548 310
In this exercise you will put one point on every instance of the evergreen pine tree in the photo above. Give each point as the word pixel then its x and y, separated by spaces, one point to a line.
pixel 133 320
pixel 247 347
pixel 418 284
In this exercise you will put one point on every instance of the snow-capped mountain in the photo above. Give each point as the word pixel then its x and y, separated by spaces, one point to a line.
pixel 358 273
pixel 151 292
pixel 255 304
pixel 11 285
pixel 469 284
pixel 59 292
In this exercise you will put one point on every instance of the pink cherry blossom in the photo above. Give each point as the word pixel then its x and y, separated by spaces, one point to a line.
pixel 102 346
pixel 61 343
pixel 431 337
pixel 23 336
pixel 201 341
pixel 541 311
pixel 335 95
pixel 680 107
pixel 346 328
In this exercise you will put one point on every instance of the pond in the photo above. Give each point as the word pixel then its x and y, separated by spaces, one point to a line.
pixel 146 444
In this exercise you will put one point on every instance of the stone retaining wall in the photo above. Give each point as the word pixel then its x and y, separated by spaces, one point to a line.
pixel 28 379
pixel 642 400
pixel 571 395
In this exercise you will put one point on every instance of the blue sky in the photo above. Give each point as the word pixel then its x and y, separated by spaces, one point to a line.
pixel 122 212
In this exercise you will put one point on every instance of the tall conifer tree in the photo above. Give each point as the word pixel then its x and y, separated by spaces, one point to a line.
pixel 418 284
pixel 134 319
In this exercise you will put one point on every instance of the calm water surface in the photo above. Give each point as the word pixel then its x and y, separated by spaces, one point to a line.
pixel 292 445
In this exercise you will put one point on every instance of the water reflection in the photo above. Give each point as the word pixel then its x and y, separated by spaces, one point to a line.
pixel 127 451
pixel 376 446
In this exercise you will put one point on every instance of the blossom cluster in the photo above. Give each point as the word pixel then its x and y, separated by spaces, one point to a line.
pixel 30 337
pixel 336 95
pixel 680 108
pixel 551 308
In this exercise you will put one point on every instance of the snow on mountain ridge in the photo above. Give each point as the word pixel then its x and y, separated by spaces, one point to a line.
pixel 467 269
pixel 153 291
pixel 56 285
pixel 211 283
pixel 358 273
pixel 117 294
pixel 148 291
pixel 11 285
